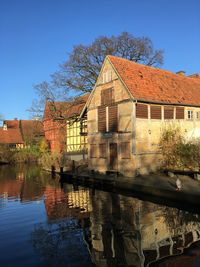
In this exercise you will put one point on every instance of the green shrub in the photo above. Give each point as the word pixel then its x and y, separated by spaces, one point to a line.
pixel 43 146
pixel 171 138
pixel 13 155
pixel 57 160
pixel 5 153
pixel 178 152
pixel 29 154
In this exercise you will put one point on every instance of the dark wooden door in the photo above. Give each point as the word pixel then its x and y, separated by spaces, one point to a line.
pixel 113 156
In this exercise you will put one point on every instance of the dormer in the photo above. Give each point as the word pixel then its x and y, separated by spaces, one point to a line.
pixel 5 128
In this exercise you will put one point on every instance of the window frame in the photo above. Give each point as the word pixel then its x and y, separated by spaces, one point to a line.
pixel 107 76
pixel 93 155
pixel 190 114
pixel 102 148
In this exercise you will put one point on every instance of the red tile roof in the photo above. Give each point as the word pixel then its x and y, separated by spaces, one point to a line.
pixel 156 85
pixel 31 128
pixel 12 124
pixel 65 110
pixel 10 136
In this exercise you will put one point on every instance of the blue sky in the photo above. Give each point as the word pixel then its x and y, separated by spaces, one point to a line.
pixel 37 35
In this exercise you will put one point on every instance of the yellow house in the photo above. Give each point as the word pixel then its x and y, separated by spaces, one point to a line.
pixel 76 139
pixel 76 130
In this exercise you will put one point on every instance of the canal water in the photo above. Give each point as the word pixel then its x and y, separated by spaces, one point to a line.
pixel 47 223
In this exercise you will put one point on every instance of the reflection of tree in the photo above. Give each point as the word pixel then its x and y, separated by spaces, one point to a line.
pixel 176 219
pixel 24 182
pixel 61 244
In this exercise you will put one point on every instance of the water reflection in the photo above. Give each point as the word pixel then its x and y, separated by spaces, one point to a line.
pixel 82 226
pixel 66 202
pixel 129 232
pixel 61 244
pixel 21 182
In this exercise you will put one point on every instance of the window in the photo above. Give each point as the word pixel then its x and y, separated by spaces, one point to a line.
pixel 107 76
pixel 198 115
pixel 102 119
pixel 142 111
pixel 155 112
pixel 107 97
pixel 168 113
pixel 102 151
pixel 190 114
pixel 125 150
pixel 179 113
pixel 93 151
pixel 113 118
pixel 83 127
pixel 108 119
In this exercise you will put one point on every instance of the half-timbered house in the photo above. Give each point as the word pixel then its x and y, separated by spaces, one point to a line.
pixel 129 107
pixel 64 131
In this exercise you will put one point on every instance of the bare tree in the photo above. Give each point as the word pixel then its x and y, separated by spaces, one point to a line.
pixel 1 118
pixel 79 73
pixel 81 70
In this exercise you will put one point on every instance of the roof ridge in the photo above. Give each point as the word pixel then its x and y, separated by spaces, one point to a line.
pixel 152 67
pixel 150 84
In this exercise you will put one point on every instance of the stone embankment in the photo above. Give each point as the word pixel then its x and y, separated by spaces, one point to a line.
pixel 160 186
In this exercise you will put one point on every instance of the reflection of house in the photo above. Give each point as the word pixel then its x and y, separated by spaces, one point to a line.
pixel 62 127
pixel 127 110
pixel 13 183
pixel 10 188
pixel 129 232
pixel 70 204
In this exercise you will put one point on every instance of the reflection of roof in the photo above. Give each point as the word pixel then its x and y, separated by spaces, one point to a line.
pixel 152 84
pixel 10 136
pixel 11 188
pixel 65 110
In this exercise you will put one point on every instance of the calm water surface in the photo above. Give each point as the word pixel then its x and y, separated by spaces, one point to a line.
pixel 46 223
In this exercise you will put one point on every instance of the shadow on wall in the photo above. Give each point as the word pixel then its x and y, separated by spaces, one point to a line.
pixel 149 163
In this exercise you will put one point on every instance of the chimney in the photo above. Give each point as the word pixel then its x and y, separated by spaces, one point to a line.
pixel 181 72
pixel 195 76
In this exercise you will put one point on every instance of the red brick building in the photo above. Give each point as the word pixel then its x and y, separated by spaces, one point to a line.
pixel 58 117
pixel 54 125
